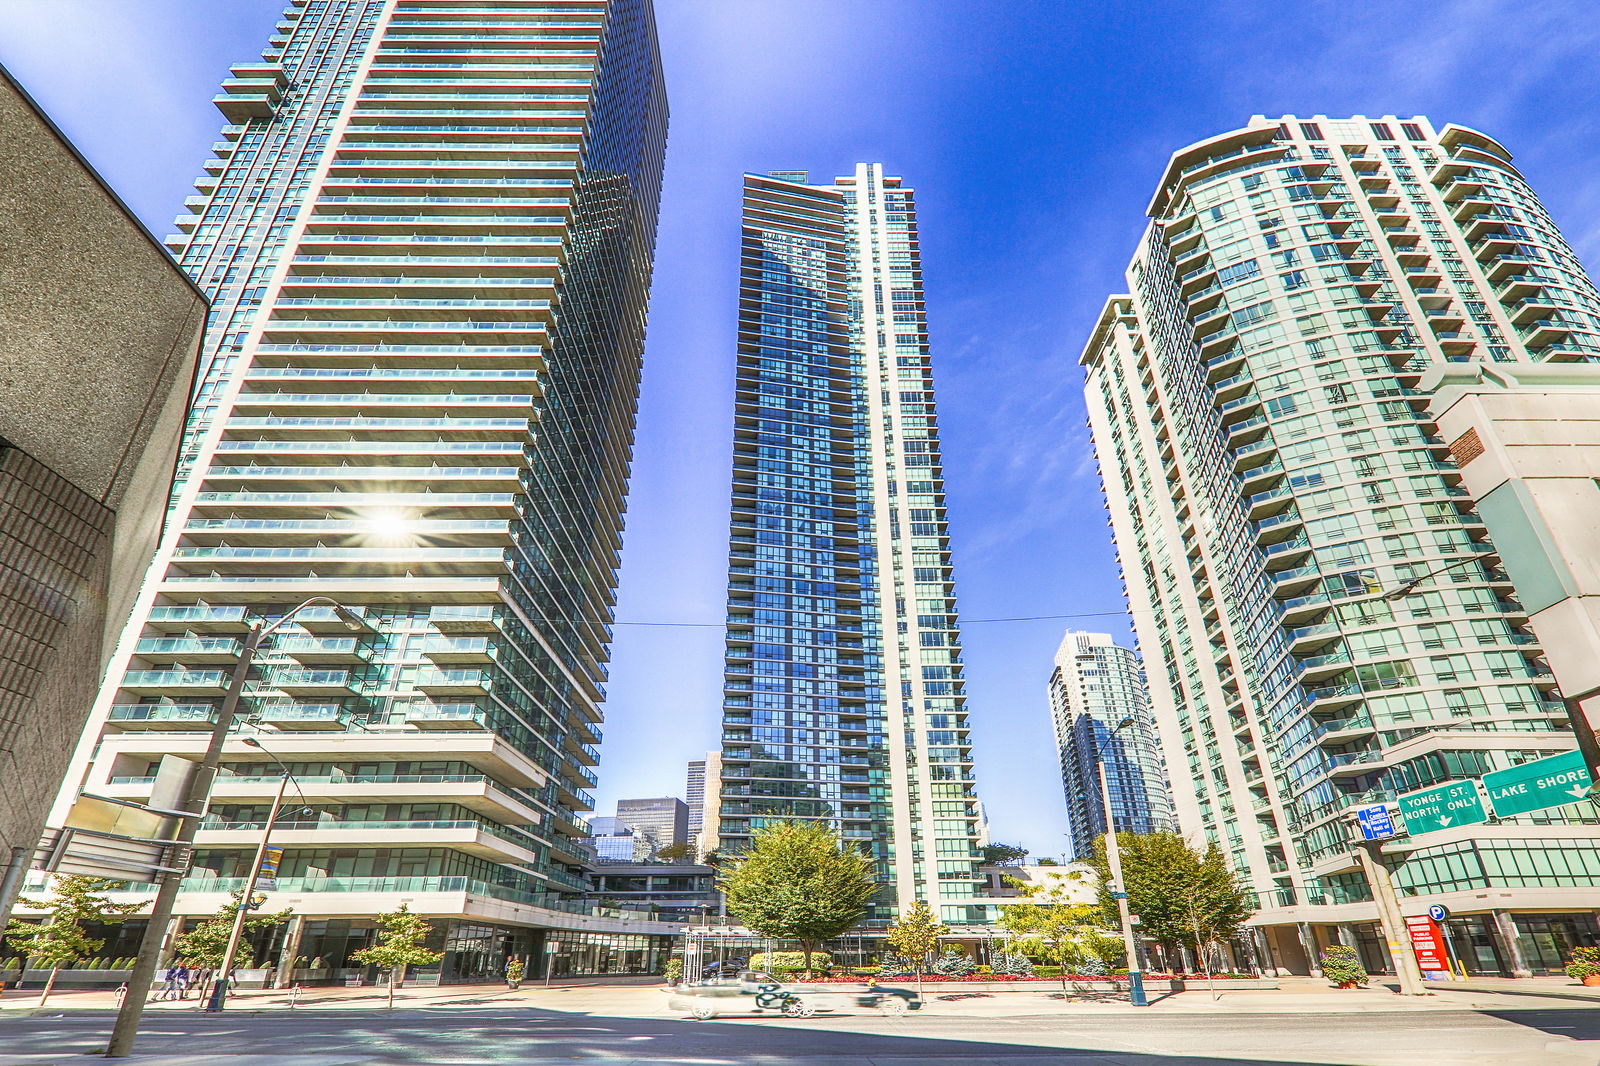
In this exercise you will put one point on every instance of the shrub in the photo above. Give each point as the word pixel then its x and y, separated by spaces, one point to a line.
pixel 1013 966
pixel 790 961
pixel 1093 966
pixel 1585 962
pixel 953 964
pixel 1341 965
pixel 674 971
pixel 894 966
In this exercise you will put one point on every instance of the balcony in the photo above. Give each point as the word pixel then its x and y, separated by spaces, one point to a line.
pixel 458 650
pixel 188 717
pixel 202 617
pixel 464 618
pixel 437 682
pixel 1304 608
pixel 313 682
pixel 1320 666
pixel 163 682
pixel 309 716
pixel 455 716
pixel 1332 696
pixel 322 649
pixel 188 649
pixel 1306 637
pixel 1289 582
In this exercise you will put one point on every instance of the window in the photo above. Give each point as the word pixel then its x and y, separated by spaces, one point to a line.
pixel 1311 131
pixel 1382 131
pixel 1412 131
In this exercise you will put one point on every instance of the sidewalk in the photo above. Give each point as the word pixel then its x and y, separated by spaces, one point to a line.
pixel 642 997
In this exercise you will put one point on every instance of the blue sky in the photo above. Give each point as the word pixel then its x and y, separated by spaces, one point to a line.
pixel 1034 131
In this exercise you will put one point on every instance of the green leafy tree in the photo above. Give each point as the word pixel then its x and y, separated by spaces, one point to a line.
pixel 204 945
pixel 916 935
pixel 1181 895
pixel 798 882
pixel 400 937
pixel 1003 854
pixel 676 853
pixel 60 939
pixel 1053 927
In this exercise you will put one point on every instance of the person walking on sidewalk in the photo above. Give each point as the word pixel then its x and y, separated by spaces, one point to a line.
pixel 183 979
pixel 169 986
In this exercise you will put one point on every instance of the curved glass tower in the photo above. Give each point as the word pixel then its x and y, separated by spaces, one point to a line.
pixel 844 700
pixel 428 237
pixel 1271 474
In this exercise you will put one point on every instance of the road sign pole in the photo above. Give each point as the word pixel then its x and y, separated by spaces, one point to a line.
pixel 1394 927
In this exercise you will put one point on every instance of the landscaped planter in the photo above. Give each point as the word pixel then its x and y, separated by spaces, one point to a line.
pixel 1049 984
pixel 34 980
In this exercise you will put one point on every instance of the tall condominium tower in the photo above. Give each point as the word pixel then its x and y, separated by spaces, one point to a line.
pixel 1101 715
pixel 428 237
pixel 694 794
pixel 845 701
pixel 1312 593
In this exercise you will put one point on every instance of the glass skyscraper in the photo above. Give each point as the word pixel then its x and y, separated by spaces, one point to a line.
pixel 1095 688
pixel 427 235
pixel 1319 609
pixel 844 697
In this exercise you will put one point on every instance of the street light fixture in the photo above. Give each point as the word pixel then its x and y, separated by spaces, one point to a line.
pixel 224 979
pixel 196 799
pixel 1576 718
pixel 1370 852
pixel 1119 888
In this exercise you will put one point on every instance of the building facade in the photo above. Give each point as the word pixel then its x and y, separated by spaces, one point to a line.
pixel 694 794
pixel 1527 439
pixel 1272 473
pixel 845 702
pixel 662 820
pixel 428 236
pixel 1095 688
pixel 95 370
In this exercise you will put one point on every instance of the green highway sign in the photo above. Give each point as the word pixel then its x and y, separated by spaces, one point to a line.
pixel 1550 782
pixel 1446 806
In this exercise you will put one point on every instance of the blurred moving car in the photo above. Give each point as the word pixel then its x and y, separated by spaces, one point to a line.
pixel 755 992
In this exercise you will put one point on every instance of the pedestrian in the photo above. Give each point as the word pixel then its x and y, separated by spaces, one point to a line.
pixel 183 979
pixel 169 985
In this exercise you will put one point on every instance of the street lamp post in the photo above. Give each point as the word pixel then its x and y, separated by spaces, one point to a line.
pixel 1581 730
pixel 224 979
pixel 1119 888
pixel 196 799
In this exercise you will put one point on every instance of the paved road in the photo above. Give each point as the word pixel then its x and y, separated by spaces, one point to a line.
pixel 537 1037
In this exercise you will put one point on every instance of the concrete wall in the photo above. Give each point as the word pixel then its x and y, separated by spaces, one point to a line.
pixel 1527 439
pixel 99 333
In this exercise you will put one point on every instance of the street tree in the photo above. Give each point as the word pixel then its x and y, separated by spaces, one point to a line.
pixel 60 939
pixel 915 936
pixel 204 945
pixel 1054 927
pixel 798 882
pixel 400 937
pixel 1183 896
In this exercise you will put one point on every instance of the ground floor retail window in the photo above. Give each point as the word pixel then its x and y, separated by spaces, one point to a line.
pixel 571 953
pixel 1547 940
